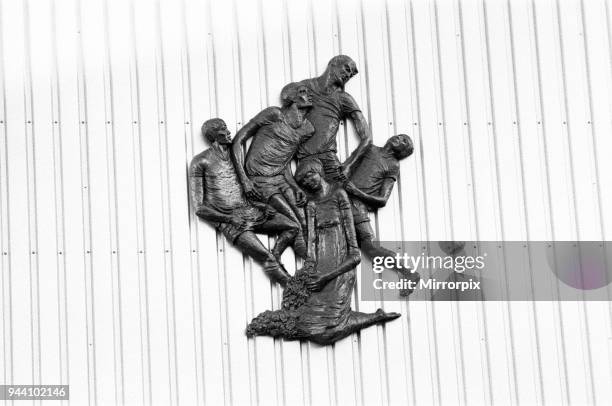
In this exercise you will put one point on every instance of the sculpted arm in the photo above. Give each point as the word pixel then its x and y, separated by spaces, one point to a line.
pixel 376 201
pixel 299 193
pixel 365 137
pixel 242 136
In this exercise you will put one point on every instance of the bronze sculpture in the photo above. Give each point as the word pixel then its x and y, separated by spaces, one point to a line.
pixel 265 174
pixel 370 185
pixel 218 198
pixel 242 194
pixel 317 302
pixel 330 105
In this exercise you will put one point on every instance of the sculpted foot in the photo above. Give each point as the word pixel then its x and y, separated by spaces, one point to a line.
pixel 383 317
pixel 299 245
pixel 276 272
pixel 411 276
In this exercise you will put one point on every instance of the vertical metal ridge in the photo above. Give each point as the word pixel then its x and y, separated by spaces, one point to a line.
pixel 111 169
pixel 390 101
pixel 596 169
pixel 168 244
pixel 548 194
pixel 499 223
pixel 311 25
pixel 564 108
pixel 60 223
pixel 421 178
pixel 609 42
pixel 519 133
pixel 86 209
pixel 425 232
pixel 406 333
pixel 194 262
pixel 5 220
pixel 143 296
pixel 444 161
pixel 31 199
pixel 576 219
pixel 589 88
pixel 474 229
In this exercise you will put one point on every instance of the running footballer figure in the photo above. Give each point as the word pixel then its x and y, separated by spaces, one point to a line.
pixel 369 187
pixel 265 173
pixel 330 105
pixel 218 198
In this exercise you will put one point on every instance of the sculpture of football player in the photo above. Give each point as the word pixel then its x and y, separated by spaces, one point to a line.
pixel 218 198
pixel 330 105
pixel 265 172
pixel 370 185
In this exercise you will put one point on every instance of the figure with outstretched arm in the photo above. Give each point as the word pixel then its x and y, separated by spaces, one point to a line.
pixel 370 185
pixel 330 105
pixel 217 197
pixel 265 171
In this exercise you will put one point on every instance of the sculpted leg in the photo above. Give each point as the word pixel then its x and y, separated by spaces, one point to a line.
pixel 289 195
pixel 356 322
pixel 288 219
pixel 287 231
pixel 249 244
pixel 279 202
pixel 365 238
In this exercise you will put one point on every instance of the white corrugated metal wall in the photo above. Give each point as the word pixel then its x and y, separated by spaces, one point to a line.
pixel 110 285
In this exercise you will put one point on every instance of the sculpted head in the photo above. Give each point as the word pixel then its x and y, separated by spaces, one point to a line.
pixel 215 130
pixel 341 69
pixel 400 145
pixel 296 93
pixel 309 174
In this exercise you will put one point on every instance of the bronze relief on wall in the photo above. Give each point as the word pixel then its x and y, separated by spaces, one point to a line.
pixel 321 210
